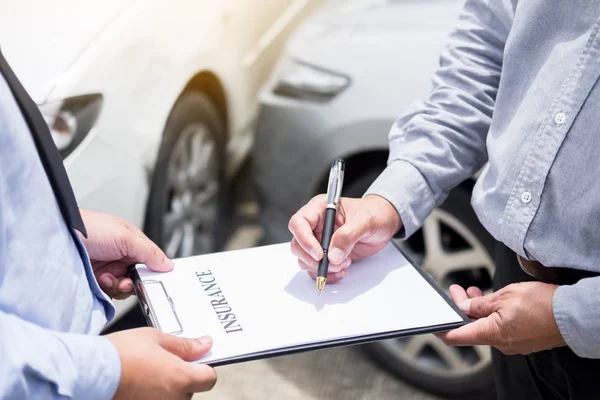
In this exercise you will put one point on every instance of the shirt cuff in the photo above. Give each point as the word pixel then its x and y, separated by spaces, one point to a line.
pixel 577 315
pixel 407 190
pixel 98 366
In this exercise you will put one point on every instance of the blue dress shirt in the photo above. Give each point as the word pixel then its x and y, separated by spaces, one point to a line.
pixel 517 93
pixel 51 308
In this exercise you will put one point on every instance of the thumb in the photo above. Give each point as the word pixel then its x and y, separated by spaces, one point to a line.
pixel 184 348
pixel 345 238
pixel 142 250
pixel 479 332
pixel 478 307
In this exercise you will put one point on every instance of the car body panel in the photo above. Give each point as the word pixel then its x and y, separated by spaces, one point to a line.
pixel 389 57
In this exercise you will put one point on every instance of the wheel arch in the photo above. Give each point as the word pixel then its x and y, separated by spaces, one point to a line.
pixel 356 164
pixel 208 83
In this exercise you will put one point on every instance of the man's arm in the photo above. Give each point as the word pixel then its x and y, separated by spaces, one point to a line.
pixel 440 142
pixel 577 315
pixel 40 363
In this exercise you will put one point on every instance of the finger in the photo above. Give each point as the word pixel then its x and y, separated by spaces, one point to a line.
pixel 345 238
pixel 108 283
pixel 113 292
pixel 339 267
pixel 116 288
pixel 302 255
pixel 331 277
pixel 339 217
pixel 478 307
pixel 307 267
pixel 144 251
pixel 185 348
pixel 474 292
pixel 115 268
pixel 476 333
pixel 125 285
pixel 202 378
pixel 303 224
pixel 313 267
pixel 458 294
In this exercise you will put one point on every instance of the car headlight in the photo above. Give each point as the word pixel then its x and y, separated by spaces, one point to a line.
pixel 303 81
pixel 71 119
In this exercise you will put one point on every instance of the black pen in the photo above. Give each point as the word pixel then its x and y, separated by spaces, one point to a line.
pixel 334 192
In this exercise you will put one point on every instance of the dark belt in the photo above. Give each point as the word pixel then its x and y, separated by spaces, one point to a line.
pixel 555 275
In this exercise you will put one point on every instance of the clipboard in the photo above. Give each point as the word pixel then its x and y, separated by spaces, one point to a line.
pixel 151 291
pixel 146 304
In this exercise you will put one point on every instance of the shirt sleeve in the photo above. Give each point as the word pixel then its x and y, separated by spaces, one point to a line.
pixel 440 141
pixel 578 316
pixel 40 363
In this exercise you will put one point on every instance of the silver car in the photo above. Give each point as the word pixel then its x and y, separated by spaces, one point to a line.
pixel 346 75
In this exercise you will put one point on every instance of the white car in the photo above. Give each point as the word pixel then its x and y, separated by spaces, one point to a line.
pixel 150 102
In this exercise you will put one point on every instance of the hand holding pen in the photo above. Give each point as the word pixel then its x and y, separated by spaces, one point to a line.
pixel 362 228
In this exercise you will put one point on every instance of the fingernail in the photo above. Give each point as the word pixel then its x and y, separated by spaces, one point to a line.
pixel 106 281
pixel 205 340
pixel 336 256
pixel 128 287
pixel 465 305
pixel 340 274
pixel 346 263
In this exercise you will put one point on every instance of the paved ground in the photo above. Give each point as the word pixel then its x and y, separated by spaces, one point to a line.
pixel 341 373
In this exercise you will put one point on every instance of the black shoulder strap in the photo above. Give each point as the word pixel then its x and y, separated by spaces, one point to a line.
pixel 47 151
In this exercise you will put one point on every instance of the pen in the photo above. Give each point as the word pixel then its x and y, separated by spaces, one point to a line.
pixel 334 192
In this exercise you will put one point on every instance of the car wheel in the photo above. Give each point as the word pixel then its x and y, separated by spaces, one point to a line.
pixel 186 200
pixel 452 247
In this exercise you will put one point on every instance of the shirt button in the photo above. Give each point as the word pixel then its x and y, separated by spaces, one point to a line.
pixel 526 197
pixel 560 118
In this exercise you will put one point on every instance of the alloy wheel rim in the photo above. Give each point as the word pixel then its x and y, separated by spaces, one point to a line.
pixel 193 184
pixel 469 264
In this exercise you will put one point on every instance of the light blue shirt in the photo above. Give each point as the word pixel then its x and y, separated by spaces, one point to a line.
pixel 51 308
pixel 516 93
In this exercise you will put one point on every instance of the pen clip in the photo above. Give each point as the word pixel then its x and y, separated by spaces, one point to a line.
pixel 336 181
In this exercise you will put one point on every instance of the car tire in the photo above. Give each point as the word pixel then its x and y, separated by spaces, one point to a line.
pixel 478 384
pixel 187 203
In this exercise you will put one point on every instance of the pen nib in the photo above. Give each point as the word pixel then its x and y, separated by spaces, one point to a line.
pixel 320 283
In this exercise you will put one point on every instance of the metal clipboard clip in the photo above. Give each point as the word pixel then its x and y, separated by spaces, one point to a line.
pixel 160 312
